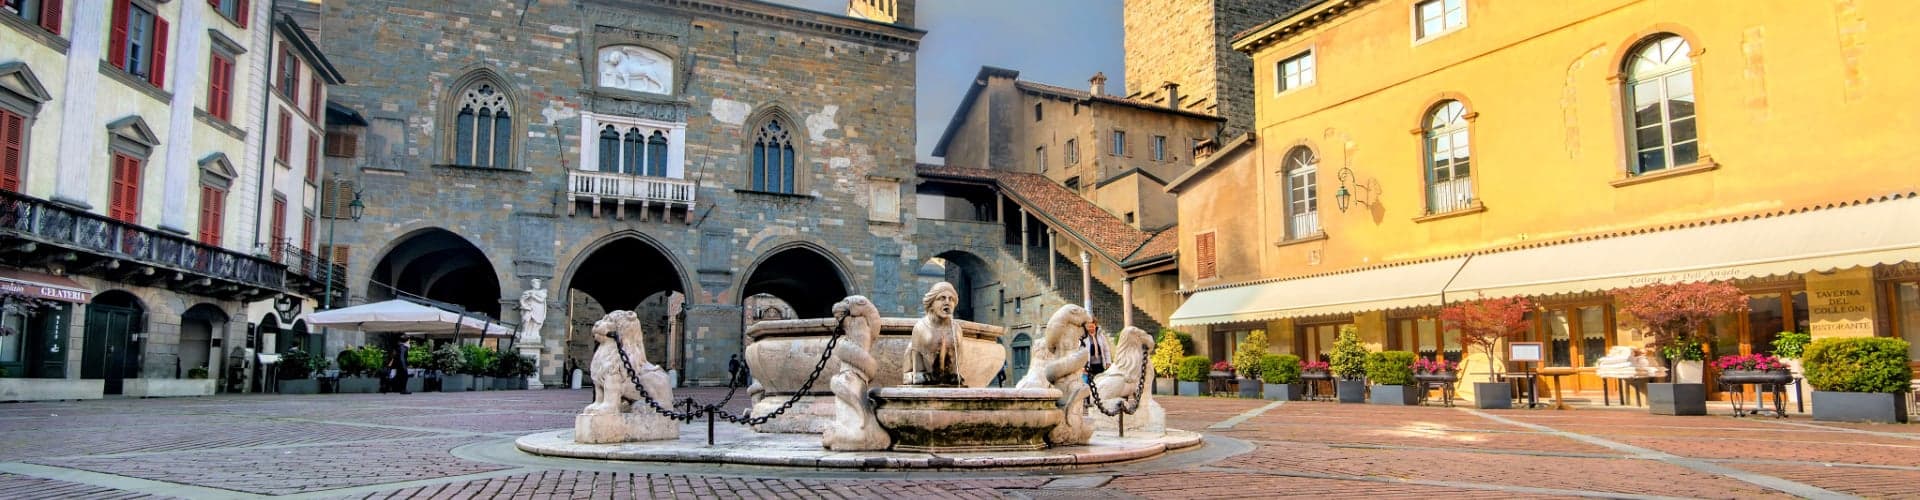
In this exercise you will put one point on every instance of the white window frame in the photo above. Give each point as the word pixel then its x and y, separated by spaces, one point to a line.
pixel 1418 21
pixel 591 123
pixel 1309 76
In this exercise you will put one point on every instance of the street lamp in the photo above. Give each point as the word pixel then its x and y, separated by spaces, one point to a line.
pixel 354 209
pixel 1342 196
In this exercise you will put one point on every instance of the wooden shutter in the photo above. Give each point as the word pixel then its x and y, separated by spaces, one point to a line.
pixel 342 144
pixel 1203 247
pixel 219 88
pixel 13 138
pixel 243 13
pixel 313 157
pixel 50 15
pixel 117 39
pixel 306 231
pixel 313 99
pixel 283 148
pixel 279 227
pixel 125 205
pixel 212 214
pixel 159 74
pixel 335 254
pixel 334 196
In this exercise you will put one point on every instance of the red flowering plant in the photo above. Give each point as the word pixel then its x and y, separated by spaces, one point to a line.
pixel 1484 322
pixel 1759 362
pixel 1434 365
pixel 1223 366
pixel 1313 366
pixel 1675 314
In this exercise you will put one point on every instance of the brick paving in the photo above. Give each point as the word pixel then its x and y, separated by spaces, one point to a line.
pixel 394 446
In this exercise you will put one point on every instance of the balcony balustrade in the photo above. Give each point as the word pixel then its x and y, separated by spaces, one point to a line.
pixel 48 233
pixel 621 189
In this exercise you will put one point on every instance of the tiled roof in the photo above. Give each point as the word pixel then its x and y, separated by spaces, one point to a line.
pixel 1115 240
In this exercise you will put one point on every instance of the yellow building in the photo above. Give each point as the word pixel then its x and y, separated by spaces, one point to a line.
pixel 1415 153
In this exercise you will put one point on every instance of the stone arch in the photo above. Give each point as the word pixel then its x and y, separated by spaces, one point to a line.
pixel 200 325
pixel 625 270
pixel 452 102
pixel 451 268
pixel 805 275
pixel 971 275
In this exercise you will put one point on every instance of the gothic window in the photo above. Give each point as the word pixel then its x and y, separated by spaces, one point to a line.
pixel 773 158
pixel 609 149
pixel 1449 181
pixel 1660 89
pixel 634 147
pixel 657 154
pixel 1301 175
pixel 483 128
pixel 633 150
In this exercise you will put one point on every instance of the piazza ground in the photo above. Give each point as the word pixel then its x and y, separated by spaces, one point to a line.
pixel 433 445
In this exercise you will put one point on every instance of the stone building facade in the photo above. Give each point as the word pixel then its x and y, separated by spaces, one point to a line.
pixel 623 151
pixel 1186 42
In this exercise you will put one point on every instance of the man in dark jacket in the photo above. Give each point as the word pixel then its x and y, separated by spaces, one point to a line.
pixel 397 370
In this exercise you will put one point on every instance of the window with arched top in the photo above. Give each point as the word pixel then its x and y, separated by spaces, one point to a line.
pixel 1300 175
pixel 633 150
pixel 1448 171
pixel 1659 88
pixel 773 158
pixel 483 124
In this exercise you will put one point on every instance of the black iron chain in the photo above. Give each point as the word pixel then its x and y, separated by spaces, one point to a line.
pixel 694 409
pixel 634 377
pixel 839 329
pixel 1129 404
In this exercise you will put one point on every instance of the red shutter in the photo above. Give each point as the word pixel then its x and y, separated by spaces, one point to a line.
pixel 159 74
pixel 313 158
pixel 306 232
pixel 313 99
pixel 1203 246
pixel 50 15
pixel 217 86
pixel 117 41
pixel 126 189
pixel 285 138
pixel 12 149
pixel 244 13
pixel 212 214
pixel 214 3
pixel 279 227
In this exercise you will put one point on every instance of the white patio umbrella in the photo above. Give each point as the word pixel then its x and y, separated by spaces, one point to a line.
pixel 409 317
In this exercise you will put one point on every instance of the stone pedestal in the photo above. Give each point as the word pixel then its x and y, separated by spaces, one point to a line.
pixel 532 350
pixel 1147 422
pixel 623 428
pixel 962 420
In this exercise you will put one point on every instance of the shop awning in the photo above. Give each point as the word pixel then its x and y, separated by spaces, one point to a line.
pixel 409 317
pixel 44 286
pixel 1396 287
pixel 1879 232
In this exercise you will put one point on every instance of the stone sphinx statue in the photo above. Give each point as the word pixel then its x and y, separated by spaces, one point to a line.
pixel 618 413
pixel 933 355
pixel 1060 362
pixel 1121 383
pixel 854 427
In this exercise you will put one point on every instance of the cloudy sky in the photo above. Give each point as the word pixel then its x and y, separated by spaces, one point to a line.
pixel 1062 42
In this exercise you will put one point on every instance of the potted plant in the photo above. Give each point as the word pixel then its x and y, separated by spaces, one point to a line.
pixel 1790 347
pixel 1672 315
pixel 1280 377
pixel 510 371
pixel 1348 363
pixel 1192 372
pixel 1752 369
pixel 1246 363
pixel 1859 379
pixel 359 368
pixel 195 373
pixel 1166 356
pixel 421 359
pixel 450 362
pixel 1483 323
pixel 477 361
pixel 1391 373
pixel 296 371
pixel 1315 370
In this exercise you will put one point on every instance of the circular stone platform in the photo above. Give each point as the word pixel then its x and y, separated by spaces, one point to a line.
pixel 737 445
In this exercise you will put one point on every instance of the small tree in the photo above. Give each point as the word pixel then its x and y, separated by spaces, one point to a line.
pixel 1246 356
pixel 1484 322
pixel 1673 314
pixel 1167 355
pixel 1349 358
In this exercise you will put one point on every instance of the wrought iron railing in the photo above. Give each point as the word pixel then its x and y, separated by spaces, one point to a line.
pixel 81 230
pixel 631 187
pixel 304 264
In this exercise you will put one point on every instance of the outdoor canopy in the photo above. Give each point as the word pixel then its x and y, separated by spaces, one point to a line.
pixel 407 316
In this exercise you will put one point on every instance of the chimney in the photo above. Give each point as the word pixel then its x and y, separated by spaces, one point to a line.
pixel 1099 84
pixel 1173 94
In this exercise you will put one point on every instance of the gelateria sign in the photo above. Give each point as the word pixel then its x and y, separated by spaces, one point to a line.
pixel 1841 304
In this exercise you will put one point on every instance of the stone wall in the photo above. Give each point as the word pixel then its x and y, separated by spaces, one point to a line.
pixel 1189 42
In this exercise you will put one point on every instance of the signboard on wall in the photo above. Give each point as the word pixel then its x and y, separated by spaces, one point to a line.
pixel 1531 352
pixel 1841 304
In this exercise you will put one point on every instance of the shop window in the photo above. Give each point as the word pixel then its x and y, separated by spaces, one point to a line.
pixel 1659 88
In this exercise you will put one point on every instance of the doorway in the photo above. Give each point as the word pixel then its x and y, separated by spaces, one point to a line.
pixel 1752 332
pixel 1576 336
pixel 109 352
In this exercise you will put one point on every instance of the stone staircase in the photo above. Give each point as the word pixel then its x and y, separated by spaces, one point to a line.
pixel 1106 302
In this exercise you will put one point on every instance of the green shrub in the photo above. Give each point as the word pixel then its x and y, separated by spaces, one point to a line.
pixel 1791 345
pixel 1167 354
pixel 1280 368
pixel 1390 368
pixel 1246 356
pixel 1193 369
pixel 1349 357
pixel 197 373
pixel 373 358
pixel 1186 341
pixel 420 356
pixel 1858 364
pixel 350 363
pixel 508 364
pixel 476 360
pixel 446 359
pixel 296 364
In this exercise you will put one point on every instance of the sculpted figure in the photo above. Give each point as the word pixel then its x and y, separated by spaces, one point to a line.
pixel 854 427
pixel 1060 362
pixel 933 354
pixel 613 392
pixel 1122 378
pixel 633 70
pixel 533 312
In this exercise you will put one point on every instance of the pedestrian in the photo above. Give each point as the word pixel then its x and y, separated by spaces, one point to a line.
pixel 399 370
pixel 1096 344
pixel 737 368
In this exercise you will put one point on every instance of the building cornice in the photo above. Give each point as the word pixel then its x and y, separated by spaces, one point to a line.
pixel 1308 16
pixel 785 17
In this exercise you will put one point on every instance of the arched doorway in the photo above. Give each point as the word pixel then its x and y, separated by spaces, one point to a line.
pixel 199 326
pixel 627 273
pixel 441 266
pixel 806 279
pixel 110 351
pixel 973 277
pixel 297 336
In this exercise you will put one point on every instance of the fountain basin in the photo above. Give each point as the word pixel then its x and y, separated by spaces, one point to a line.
pixel 782 353
pixel 967 420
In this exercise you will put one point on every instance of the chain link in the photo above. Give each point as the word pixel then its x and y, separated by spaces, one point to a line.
pixel 694 409
pixel 1129 404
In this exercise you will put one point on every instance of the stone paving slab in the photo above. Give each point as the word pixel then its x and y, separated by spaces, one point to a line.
pixel 735 446
pixel 1865 482
pixel 578 484
pixel 1843 453
pixel 18 486
pixel 294 469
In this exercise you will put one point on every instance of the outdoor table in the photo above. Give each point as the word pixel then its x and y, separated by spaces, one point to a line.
pixel 1559 402
pixel 1533 385
pixel 1625 383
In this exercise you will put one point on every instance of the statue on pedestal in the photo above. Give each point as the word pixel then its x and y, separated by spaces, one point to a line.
pixel 533 313
pixel 613 418
pixel 1060 362
pixel 854 427
pixel 1121 386
pixel 933 356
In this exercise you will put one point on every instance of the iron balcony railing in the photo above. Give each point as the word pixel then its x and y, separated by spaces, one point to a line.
pixel 616 186
pixel 80 230
pixel 304 264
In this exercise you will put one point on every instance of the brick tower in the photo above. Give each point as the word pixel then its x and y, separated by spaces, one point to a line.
pixel 1185 42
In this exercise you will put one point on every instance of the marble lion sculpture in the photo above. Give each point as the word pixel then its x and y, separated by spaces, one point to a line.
pixel 613 391
pixel 1122 378
pixel 1060 362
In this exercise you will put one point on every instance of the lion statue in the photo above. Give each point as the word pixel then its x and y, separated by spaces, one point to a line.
pixel 1060 362
pixel 613 391
pixel 1120 386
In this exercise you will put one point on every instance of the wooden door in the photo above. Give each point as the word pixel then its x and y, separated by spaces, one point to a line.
pixel 106 354
pixel 1576 336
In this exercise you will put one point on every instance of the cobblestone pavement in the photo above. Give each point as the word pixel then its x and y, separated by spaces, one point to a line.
pixel 394 446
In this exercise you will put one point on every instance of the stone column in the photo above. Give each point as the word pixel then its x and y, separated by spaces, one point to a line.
pixel 1023 236
pixel 186 73
pixel 1126 303
pixel 1086 281
pixel 1053 278
pixel 80 127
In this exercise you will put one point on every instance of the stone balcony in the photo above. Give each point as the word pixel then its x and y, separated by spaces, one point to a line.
pixel 620 190
pixel 40 233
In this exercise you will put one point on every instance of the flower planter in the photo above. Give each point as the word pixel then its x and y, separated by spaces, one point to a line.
pixel 1756 376
pixel 508 383
pixel 1249 388
pixel 1689 372
pixel 1165 386
pixel 1676 399
pixel 1493 395
pixel 166 387
pixel 50 389
pixel 1448 377
pixel 1281 392
pixel 1876 407
pixel 303 386
pixel 359 385
pixel 416 384
pixel 458 382
pixel 1351 391
pixel 484 383
pixel 1395 395
pixel 1189 388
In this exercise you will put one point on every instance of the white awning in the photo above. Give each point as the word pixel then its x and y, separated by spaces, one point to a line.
pixel 1867 234
pixel 1396 287
pixel 409 317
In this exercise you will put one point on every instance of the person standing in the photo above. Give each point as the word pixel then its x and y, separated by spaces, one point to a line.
pixel 400 368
